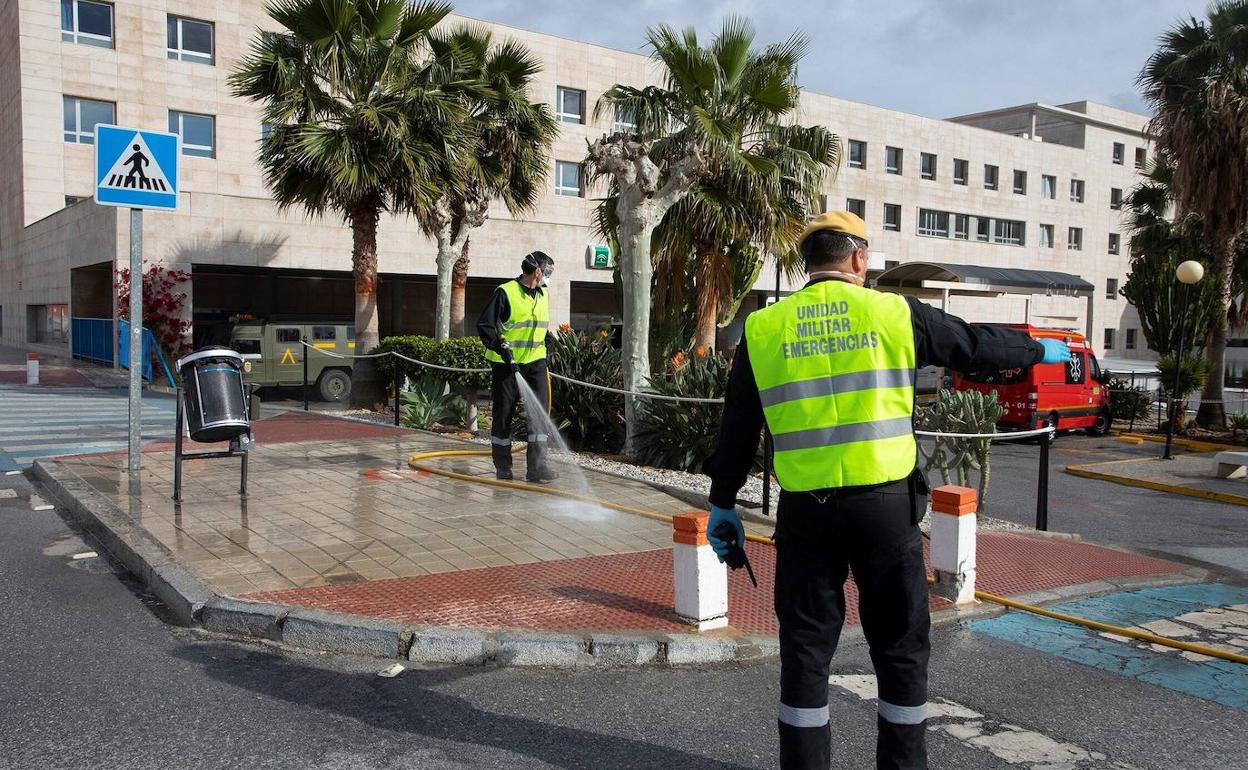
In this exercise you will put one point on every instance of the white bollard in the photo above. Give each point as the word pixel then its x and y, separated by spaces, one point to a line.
pixel 32 369
pixel 701 581
pixel 953 543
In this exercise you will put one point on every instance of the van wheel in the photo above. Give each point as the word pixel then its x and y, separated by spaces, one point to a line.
pixel 1052 422
pixel 334 385
pixel 1101 426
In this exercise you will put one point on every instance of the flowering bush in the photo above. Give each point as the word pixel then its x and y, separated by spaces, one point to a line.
pixel 162 306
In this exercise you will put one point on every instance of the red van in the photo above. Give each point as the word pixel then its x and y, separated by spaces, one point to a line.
pixel 1068 396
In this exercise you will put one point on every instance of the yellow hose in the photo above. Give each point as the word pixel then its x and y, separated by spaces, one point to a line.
pixel 417 460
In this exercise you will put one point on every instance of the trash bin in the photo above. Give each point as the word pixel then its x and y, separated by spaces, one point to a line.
pixel 212 386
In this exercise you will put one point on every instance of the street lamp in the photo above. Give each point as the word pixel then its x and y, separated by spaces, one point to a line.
pixel 1188 273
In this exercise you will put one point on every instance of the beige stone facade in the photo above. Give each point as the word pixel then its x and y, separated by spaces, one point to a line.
pixel 234 240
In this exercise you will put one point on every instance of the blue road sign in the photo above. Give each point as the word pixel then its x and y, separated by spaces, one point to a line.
pixel 135 168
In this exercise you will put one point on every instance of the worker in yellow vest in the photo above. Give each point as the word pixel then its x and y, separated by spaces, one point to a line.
pixel 513 326
pixel 831 370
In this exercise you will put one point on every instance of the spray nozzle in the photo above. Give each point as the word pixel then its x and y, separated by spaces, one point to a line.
pixel 736 558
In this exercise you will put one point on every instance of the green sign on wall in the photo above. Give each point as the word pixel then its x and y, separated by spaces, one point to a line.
pixel 598 257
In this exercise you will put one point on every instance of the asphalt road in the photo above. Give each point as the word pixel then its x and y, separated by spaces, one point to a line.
pixel 1113 514
pixel 91 677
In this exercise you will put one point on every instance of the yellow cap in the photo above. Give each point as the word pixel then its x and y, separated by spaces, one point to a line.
pixel 838 221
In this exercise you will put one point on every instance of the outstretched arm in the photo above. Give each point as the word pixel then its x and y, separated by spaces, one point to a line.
pixel 942 339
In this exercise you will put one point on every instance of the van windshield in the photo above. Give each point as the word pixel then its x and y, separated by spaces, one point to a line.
pixel 997 376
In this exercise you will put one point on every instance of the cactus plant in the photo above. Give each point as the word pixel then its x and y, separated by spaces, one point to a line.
pixel 961 411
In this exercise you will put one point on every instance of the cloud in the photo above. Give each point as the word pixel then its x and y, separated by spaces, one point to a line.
pixel 936 58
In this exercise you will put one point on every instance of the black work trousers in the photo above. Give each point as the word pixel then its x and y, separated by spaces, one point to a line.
pixel 820 537
pixel 505 392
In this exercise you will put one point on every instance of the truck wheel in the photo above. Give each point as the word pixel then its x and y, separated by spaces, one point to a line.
pixel 1103 420
pixel 334 385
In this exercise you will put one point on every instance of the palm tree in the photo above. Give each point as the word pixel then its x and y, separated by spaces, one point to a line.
pixel 701 122
pixel 503 150
pixel 1197 81
pixel 356 108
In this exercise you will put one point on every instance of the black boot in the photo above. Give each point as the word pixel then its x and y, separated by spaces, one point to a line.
pixel 900 747
pixel 805 748
pixel 502 461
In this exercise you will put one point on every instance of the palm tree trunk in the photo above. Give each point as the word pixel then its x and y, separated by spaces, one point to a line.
pixel 365 389
pixel 459 288
pixel 707 304
pixel 1212 412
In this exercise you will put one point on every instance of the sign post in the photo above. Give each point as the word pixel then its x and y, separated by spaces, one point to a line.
pixel 137 170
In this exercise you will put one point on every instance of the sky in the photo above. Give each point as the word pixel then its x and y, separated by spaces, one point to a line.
pixel 937 58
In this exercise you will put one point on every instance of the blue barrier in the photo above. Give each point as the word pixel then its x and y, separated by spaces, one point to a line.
pixel 150 351
pixel 92 339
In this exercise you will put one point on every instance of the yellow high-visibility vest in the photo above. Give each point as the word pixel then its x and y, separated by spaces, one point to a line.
pixel 835 367
pixel 525 328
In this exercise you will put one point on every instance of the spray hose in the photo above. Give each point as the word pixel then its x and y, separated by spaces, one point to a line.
pixel 419 461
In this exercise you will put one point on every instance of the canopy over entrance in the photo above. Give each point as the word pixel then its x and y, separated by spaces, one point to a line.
pixel 936 280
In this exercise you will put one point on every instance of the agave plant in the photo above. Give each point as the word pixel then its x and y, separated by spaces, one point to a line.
pixel 426 402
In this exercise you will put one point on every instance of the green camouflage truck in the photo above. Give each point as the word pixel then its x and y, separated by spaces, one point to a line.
pixel 274 357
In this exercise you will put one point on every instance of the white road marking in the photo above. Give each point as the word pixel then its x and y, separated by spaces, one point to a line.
pixel 1222 628
pixel 1011 743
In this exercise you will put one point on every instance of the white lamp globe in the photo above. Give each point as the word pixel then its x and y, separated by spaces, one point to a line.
pixel 1190 271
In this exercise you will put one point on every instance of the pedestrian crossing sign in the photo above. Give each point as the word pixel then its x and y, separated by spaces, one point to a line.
pixel 136 169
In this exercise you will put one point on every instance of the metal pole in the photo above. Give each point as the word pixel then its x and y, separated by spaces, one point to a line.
pixel 177 450
pixel 397 374
pixel 305 379
pixel 136 337
pixel 1178 372
pixel 1042 487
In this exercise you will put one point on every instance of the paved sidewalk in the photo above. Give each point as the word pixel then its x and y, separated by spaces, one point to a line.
pixel 1190 475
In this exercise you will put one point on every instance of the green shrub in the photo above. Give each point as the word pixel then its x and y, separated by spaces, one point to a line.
pixel 1128 403
pixel 1192 373
pixel 425 402
pixel 1238 422
pixel 588 418
pixel 459 352
pixel 960 411
pixel 678 434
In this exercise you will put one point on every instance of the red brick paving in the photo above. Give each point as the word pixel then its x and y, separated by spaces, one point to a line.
pixel 634 591
pixel 48 375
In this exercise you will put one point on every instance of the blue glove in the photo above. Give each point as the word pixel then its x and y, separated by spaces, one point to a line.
pixel 718 516
pixel 1055 351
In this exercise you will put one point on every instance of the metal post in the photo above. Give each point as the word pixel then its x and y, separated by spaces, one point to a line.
pixel 136 337
pixel 1042 487
pixel 177 450
pixel 1178 373
pixel 397 375
pixel 305 379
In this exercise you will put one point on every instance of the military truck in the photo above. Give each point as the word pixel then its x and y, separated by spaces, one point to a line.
pixel 275 356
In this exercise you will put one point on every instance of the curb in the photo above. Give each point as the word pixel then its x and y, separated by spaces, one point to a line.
pixel 194 604
pixel 1085 471
pixel 1195 445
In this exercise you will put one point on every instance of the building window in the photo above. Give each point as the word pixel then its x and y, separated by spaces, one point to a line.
pixel 1130 342
pixel 1020 182
pixel 568 178
pixel 934 223
pixel 990 177
pixel 1109 338
pixel 1111 288
pixel 189 39
pixel 1076 190
pixel 960 171
pixel 892 160
pixel 198 133
pixel 87 22
pixel 1046 236
pixel 983 229
pixel 1115 198
pixel 625 121
pixel 857 206
pixel 1074 238
pixel 569 105
pixel 1048 186
pixel 823 203
pixel 1115 243
pixel 857 154
pixel 1141 157
pixel 1120 153
pixel 1009 232
pixel 81 116
pixel 47 323
pixel 961 226
pixel 892 216
pixel 266 130
pixel 927 165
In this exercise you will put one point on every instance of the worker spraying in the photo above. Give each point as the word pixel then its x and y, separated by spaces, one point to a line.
pixel 831 370
pixel 513 326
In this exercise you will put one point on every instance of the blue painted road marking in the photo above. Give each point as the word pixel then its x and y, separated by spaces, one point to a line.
pixel 1209 613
